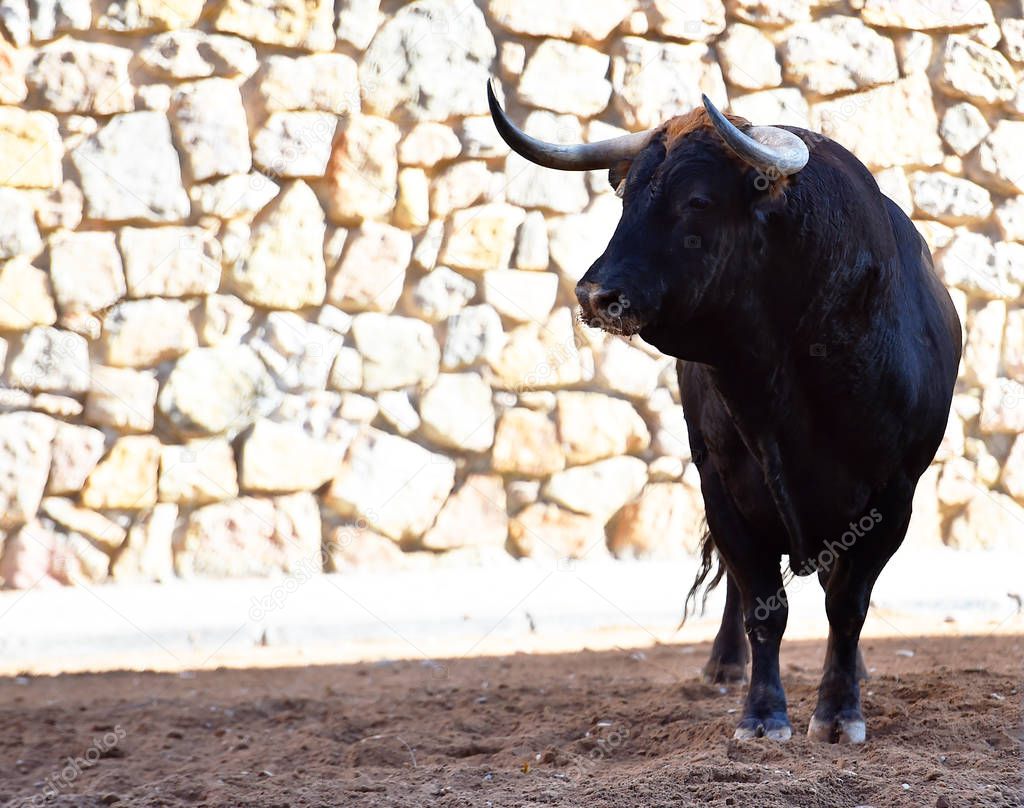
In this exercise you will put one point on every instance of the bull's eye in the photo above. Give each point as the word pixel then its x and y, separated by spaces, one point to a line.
pixel 699 202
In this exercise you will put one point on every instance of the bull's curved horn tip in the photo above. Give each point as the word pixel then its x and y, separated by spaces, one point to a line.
pixel 576 157
pixel 492 95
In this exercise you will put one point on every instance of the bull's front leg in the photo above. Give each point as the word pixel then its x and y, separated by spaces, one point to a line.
pixel 765 612
pixel 758 579
pixel 838 715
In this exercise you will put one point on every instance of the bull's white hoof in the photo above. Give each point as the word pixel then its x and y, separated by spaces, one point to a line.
pixel 819 730
pixel 853 732
pixel 780 734
pixel 842 730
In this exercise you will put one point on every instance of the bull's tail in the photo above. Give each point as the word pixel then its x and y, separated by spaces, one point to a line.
pixel 708 559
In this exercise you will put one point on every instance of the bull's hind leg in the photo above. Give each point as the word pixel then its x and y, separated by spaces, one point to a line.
pixel 730 653
pixel 862 668
pixel 838 716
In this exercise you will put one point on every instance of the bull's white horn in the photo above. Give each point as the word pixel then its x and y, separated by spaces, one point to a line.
pixel 775 151
pixel 575 157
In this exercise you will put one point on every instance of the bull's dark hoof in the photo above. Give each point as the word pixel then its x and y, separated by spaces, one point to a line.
pixel 844 728
pixel 725 673
pixel 774 729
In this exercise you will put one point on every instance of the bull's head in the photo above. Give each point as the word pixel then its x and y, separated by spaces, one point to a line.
pixel 697 193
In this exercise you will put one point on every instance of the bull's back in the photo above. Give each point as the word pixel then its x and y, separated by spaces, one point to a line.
pixel 939 315
pixel 932 335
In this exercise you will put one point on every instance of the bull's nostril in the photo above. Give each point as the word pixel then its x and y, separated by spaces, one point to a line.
pixel 607 301
pixel 601 304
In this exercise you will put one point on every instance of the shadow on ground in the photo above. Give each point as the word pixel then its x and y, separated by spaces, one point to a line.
pixel 618 728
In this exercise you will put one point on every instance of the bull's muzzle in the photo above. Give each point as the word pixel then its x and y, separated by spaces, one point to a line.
pixel 607 308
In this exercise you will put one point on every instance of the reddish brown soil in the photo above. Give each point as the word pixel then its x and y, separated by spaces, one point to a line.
pixel 590 729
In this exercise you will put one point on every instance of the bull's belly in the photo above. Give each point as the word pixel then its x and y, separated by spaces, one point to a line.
pixel 827 503
pixel 827 493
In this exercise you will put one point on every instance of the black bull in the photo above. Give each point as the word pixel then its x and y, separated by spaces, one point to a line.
pixel 817 354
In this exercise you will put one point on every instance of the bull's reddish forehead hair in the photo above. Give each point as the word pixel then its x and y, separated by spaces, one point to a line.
pixel 677 128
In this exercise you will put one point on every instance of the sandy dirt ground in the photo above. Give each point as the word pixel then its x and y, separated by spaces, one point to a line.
pixel 615 728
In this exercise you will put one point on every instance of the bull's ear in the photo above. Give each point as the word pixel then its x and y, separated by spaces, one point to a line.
pixel 770 203
pixel 617 176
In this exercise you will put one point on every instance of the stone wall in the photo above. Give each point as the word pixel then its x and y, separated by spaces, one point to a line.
pixel 275 297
